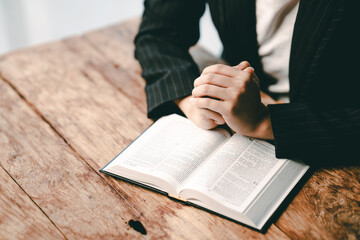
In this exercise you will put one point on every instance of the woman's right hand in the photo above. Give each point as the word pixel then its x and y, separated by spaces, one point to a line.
pixel 203 118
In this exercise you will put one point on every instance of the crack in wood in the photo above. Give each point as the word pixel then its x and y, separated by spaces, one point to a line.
pixel 15 155
pixel 37 112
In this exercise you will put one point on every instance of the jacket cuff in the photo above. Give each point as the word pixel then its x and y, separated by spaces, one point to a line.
pixel 298 132
pixel 160 96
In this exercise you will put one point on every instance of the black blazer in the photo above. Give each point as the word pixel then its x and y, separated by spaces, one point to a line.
pixel 321 124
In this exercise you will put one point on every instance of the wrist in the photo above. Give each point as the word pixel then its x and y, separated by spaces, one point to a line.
pixel 183 104
pixel 264 127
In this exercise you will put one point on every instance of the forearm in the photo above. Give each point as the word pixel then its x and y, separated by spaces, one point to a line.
pixel 164 81
pixel 162 44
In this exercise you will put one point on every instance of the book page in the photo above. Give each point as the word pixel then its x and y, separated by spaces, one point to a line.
pixel 172 148
pixel 234 172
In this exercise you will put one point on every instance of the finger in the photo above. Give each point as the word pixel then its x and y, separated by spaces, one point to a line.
pixel 222 70
pixel 216 117
pixel 210 104
pixel 254 77
pixel 249 70
pixel 213 79
pixel 242 65
pixel 206 123
pixel 208 90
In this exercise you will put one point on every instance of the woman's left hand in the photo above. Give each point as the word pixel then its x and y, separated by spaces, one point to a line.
pixel 234 93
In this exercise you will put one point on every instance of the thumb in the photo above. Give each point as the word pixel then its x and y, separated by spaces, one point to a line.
pixel 242 65
pixel 251 71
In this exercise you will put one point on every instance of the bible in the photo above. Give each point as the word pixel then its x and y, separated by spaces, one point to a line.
pixel 228 174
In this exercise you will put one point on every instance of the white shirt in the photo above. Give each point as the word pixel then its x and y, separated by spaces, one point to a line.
pixel 275 21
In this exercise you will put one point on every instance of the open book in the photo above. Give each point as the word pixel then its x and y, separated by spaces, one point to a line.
pixel 232 176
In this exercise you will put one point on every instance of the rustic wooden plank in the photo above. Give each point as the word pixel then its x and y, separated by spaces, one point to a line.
pixel 116 43
pixel 98 121
pixel 328 207
pixel 69 192
pixel 86 52
pixel 20 218
pixel 110 42
pixel 118 60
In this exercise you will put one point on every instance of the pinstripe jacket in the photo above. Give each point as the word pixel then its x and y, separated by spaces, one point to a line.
pixel 321 124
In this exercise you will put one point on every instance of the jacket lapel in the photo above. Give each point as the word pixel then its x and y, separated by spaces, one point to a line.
pixel 311 33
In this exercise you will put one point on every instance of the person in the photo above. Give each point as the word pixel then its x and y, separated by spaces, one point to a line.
pixel 316 66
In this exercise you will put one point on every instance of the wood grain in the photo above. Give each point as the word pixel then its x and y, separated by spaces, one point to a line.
pixel 20 218
pixel 327 207
pixel 67 190
pixel 115 43
pixel 295 221
pixel 87 103
pixel 116 62
pixel 98 121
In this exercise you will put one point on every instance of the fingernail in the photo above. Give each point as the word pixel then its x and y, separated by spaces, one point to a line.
pixel 249 70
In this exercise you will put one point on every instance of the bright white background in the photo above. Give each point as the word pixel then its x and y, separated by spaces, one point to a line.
pixel 28 22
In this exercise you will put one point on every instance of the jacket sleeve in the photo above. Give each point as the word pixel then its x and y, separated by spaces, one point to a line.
pixel 317 136
pixel 167 31
pixel 323 126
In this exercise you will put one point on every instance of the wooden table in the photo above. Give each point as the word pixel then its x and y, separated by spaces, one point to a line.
pixel 68 107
